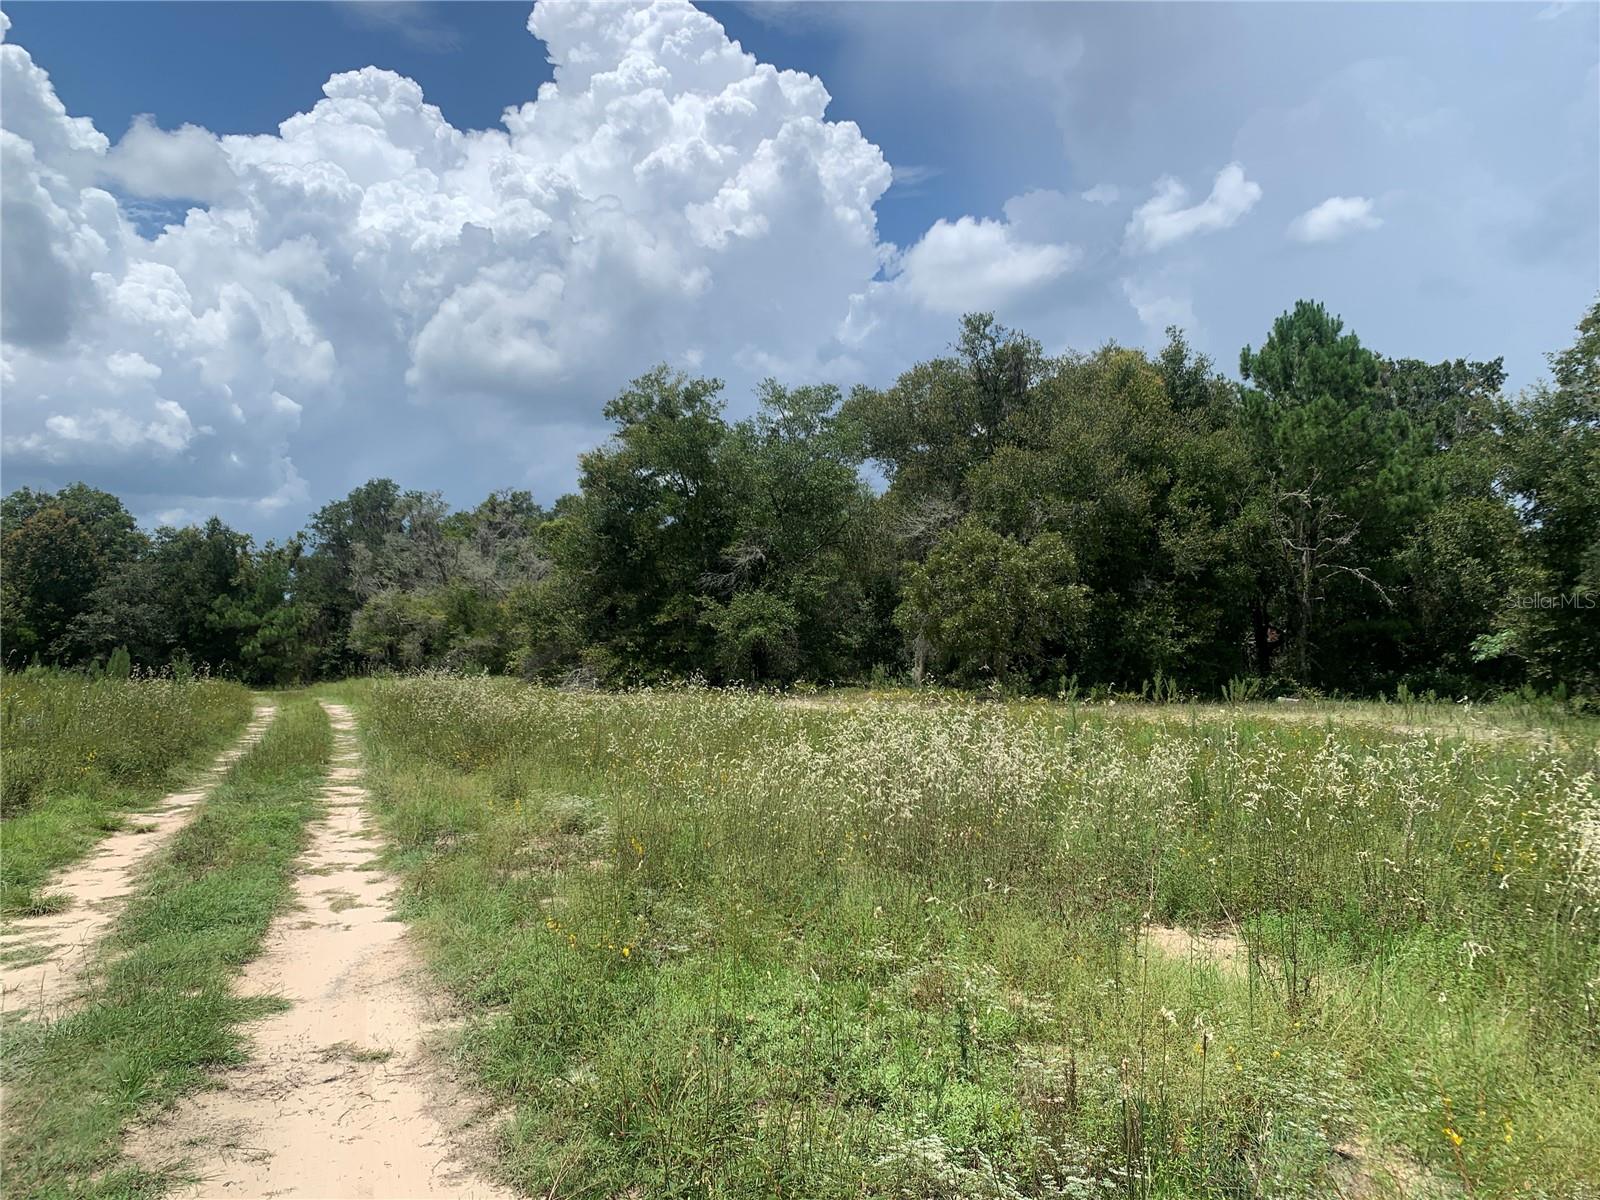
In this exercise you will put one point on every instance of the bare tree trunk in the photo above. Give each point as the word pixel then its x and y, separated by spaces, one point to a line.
pixel 1261 632
pixel 1314 537
pixel 1306 591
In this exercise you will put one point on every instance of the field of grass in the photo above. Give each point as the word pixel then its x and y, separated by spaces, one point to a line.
pixel 715 944
pixel 162 1011
pixel 80 753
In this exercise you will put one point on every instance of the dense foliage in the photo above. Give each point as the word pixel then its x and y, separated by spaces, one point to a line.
pixel 1335 520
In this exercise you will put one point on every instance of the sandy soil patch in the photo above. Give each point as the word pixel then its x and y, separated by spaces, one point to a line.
pixel 1226 952
pixel 1365 1171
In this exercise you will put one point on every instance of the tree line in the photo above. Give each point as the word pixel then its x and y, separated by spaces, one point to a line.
pixel 1333 520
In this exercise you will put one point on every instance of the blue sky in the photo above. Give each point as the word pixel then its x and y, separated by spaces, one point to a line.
pixel 379 291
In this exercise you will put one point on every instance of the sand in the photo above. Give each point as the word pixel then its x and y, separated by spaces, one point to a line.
pixel 344 1094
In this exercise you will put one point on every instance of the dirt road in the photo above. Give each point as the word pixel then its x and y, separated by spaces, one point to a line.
pixel 58 947
pixel 341 1096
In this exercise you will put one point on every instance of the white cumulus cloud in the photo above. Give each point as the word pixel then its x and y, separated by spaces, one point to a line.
pixel 1167 217
pixel 370 283
pixel 972 263
pixel 1334 218
pixel 1159 309
pixel 185 163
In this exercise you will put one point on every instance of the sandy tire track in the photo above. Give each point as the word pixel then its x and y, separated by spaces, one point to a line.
pixel 48 984
pixel 342 1096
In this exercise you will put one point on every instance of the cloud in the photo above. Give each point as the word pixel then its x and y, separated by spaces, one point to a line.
pixel 909 179
pixel 1157 308
pixel 978 264
pixel 1101 193
pixel 410 19
pixel 153 163
pixel 1164 220
pixel 130 365
pixel 1334 218
pixel 1021 266
pixel 161 428
pixel 371 287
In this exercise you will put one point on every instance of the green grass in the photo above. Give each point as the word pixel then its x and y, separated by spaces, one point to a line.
pixel 719 945
pixel 163 1014
pixel 81 754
